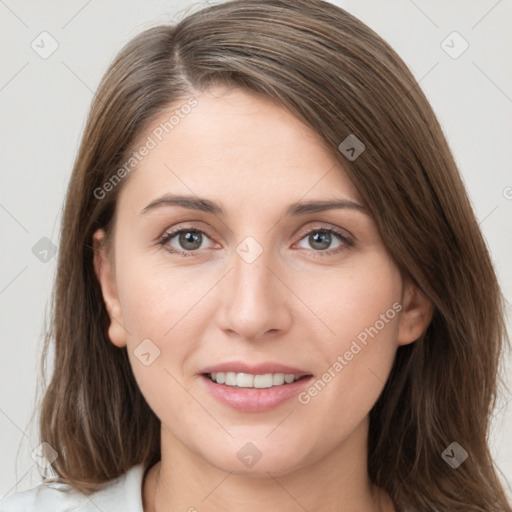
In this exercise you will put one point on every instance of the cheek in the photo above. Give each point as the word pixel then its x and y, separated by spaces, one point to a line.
pixel 156 298
pixel 361 310
pixel 348 301
pixel 343 393
pixel 155 309
pixel 161 319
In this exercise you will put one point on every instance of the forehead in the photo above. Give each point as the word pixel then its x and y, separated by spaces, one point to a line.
pixel 239 147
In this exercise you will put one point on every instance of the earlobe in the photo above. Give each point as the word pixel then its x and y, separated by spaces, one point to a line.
pixel 416 314
pixel 103 268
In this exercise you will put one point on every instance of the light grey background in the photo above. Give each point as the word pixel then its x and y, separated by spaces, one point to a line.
pixel 44 103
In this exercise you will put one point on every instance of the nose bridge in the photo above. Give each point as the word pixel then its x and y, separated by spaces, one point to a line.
pixel 255 301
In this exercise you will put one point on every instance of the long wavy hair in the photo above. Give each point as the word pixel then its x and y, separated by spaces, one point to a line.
pixel 340 78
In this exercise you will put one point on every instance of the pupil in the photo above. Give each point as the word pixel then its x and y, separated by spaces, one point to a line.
pixel 322 238
pixel 190 237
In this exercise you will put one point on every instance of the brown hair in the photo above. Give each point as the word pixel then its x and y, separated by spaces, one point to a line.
pixel 340 78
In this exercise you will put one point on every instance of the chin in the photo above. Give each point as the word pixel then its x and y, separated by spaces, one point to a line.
pixel 258 459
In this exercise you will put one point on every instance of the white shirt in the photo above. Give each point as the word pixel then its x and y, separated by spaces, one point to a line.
pixel 124 494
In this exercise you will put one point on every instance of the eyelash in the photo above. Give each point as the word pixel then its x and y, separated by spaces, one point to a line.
pixel 347 242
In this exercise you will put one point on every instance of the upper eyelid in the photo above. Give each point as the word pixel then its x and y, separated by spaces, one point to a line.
pixel 174 231
pixel 327 226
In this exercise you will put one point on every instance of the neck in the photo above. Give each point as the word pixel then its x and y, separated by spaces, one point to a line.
pixel 339 477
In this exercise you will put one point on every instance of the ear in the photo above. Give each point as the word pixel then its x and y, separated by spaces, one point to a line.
pixel 416 314
pixel 104 269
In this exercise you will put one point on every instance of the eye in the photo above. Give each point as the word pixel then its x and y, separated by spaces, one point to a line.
pixel 189 240
pixel 321 239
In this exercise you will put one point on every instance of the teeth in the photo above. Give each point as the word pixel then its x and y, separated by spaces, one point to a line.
pixel 230 379
pixel 279 378
pixel 248 380
pixel 245 380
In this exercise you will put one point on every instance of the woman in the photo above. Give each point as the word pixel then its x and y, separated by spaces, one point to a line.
pixel 272 291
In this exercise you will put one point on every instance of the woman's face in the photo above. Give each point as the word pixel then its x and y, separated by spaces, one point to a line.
pixel 258 286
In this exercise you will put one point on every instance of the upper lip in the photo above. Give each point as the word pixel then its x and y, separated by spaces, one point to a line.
pixel 255 369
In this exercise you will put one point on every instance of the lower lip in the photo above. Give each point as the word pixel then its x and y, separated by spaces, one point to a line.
pixel 254 399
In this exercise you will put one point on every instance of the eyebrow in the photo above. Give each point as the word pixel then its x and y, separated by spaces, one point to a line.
pixel 293 210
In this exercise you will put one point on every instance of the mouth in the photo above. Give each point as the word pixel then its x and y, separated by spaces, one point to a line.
pixel 254 392
pixel 255 381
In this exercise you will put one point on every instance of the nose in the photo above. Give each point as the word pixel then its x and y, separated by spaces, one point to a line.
pixel 256 302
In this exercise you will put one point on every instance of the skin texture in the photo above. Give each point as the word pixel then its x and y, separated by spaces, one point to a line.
pixel 294 304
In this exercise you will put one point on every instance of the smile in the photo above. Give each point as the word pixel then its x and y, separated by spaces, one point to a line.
pixel 258 393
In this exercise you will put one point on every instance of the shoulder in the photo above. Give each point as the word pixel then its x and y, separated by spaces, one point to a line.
pixel 123 494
